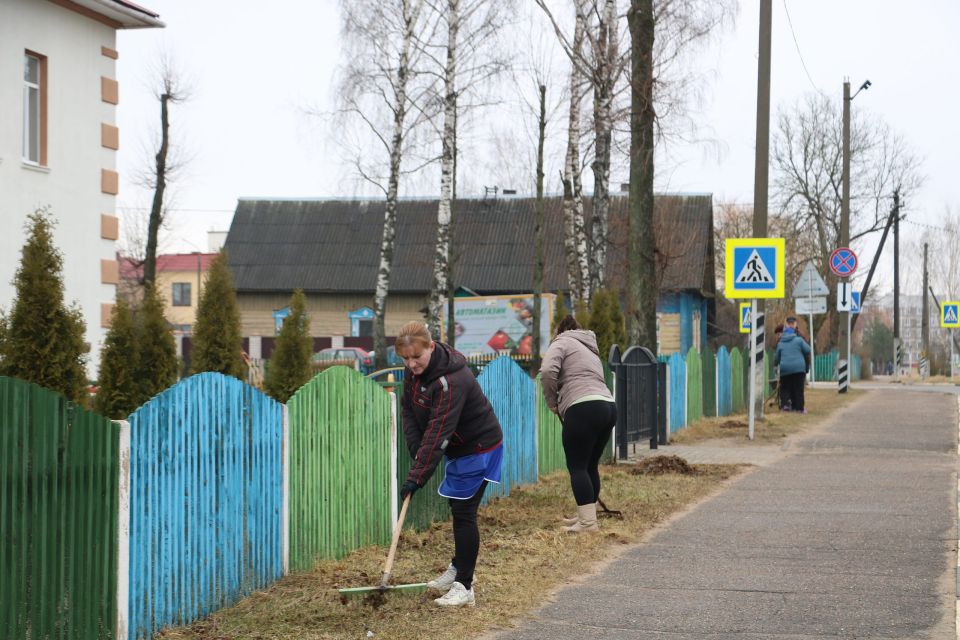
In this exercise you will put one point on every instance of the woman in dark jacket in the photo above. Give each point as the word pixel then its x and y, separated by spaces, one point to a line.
pixel 445 413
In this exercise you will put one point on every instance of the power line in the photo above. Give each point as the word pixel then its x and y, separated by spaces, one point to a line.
pixel 180 210
pixel 799 53
pixel 930 226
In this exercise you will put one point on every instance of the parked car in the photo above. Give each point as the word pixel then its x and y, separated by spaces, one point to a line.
pixel 393 360
pixel 363 360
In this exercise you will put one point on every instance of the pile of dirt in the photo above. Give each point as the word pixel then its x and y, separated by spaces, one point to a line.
pixel 659 465
pixel 733 424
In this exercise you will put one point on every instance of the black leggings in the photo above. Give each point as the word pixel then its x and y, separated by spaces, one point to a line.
pixel 586 432
pixel 466 535
pixel 791 390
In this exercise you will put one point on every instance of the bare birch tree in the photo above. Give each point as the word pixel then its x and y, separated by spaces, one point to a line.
pixel 470 61
pixel 383 79
pixel 807 159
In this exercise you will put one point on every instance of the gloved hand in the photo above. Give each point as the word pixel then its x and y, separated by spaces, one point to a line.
pixel 408 489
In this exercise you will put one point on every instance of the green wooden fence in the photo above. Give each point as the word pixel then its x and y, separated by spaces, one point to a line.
pixel 58 516
pixel 709 366
pixel 550 456
pixel 737 379
pixel 694 386
pixel 340 464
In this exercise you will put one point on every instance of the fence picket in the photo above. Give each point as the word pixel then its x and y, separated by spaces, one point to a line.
pixel 737 379
pixel 694 386
pixel 58 500
pixel 511 392
pixel 677 370
pixel 549 436
pixel 724 391
pixel 709 386
pixel 339 466
pixel 205 500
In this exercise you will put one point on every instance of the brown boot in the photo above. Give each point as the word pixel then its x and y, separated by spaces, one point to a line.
pixel 586 519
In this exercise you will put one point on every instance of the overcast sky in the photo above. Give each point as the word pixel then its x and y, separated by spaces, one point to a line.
pixel 257 71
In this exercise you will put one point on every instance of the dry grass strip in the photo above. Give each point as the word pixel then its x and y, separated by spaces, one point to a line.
pixel 524 556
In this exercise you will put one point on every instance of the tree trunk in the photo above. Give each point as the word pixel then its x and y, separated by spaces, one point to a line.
pixel 441 259
pixel 606 57
pixel 575 243
pixel 538 233
pixel 390 211
pixel 156 209
pixel 451 302
pixel 642 291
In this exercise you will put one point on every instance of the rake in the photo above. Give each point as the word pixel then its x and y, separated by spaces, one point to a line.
pixel 383 587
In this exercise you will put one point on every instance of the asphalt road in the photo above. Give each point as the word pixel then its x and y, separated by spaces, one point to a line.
pixel 853 534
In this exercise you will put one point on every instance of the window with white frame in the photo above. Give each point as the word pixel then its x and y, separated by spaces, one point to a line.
pixel 34 67
pixel 181 294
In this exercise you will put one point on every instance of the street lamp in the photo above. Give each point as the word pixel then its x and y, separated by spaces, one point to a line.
pixel 845 339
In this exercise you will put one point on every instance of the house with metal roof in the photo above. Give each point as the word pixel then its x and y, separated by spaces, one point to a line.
pixel 331 248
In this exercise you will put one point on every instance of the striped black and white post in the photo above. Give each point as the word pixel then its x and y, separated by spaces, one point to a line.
pixel 924 364
pixel 756 361
pixel 843 377
pixel 897 358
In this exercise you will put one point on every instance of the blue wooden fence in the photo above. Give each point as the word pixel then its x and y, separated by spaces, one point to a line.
pixel 677 370
pixel 724 386
pixel 206 491
pixel 511 392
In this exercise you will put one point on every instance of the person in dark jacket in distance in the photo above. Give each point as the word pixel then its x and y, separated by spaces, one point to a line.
pixel 792 354
pixel 446 414
pixel 574 388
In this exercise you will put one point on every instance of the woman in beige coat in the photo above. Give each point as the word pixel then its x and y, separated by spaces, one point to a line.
pixel 574 388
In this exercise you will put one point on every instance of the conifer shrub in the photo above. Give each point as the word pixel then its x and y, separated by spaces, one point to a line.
pixel 157 364
pixel 43 339
pixel 290 364
pixel 217 343
pixel 119 393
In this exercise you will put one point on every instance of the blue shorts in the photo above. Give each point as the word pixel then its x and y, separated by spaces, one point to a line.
pixel 463 476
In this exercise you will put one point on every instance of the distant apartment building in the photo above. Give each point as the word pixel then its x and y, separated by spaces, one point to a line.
pixel 58 142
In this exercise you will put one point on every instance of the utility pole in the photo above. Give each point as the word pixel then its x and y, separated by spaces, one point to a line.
pixel 761 176
pixel 925 320
pixel 897 352
pixel 844 239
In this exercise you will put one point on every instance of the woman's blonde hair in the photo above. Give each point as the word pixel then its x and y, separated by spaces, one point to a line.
pixel 413 334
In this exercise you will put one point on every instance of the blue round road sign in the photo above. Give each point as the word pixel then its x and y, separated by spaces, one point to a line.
pixel 843 262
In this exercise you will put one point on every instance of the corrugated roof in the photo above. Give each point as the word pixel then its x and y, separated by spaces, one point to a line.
pixel 334 245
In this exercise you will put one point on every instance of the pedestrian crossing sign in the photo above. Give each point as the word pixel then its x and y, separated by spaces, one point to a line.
pixel 746 317
pixel 755 267
pixel 950 315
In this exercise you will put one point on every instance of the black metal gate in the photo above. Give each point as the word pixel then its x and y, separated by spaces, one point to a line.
pixel 640 386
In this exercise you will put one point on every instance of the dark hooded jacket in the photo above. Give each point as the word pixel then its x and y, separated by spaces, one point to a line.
pixel 445 411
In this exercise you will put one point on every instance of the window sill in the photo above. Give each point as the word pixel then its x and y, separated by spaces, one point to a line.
pixel 34 167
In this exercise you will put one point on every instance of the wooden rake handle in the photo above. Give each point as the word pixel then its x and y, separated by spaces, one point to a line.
pixel 388 567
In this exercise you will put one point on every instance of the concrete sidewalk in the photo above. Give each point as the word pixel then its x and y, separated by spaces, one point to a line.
pixel 851 532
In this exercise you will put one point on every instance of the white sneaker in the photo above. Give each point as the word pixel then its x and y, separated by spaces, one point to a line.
pixel 445 579
pixel 458 596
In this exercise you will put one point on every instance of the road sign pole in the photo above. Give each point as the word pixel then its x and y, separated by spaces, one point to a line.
pixel 813 359
pixel 753 366
pixel 849 342
pixel 951 354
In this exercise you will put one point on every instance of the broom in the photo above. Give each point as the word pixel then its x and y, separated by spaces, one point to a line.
pixel 383 587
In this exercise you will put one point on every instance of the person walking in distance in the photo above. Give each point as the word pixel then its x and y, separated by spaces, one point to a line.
pixel 792 354
pixel 446 415
pixel 574 388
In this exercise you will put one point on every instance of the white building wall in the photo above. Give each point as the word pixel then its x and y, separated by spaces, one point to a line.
pixel 70 185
